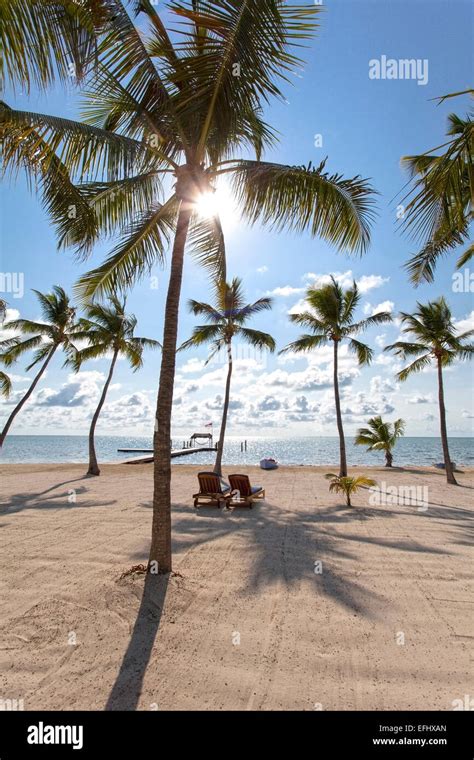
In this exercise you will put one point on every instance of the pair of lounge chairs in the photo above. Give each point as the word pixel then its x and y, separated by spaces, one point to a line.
pixel 240 492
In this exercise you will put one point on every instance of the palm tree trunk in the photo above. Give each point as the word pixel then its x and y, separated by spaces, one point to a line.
pixel 342 442
pixel 388 458
pixel 93 466
pixel 160 550
pixel 444 433
pixel 220 445
pixel 25 398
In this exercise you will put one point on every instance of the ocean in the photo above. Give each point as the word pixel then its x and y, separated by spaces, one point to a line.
pixel 292 451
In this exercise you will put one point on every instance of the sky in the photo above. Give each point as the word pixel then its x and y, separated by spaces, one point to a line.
pixel 364 126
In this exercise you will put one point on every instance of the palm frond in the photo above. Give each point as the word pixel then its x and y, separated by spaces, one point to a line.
pixel 417 366
pixel 465 257
pixel 5 385
pixel 18 348
pixel 380 318
pixel 206 244
pixel 41 354
pixel 363 352
pixel 255 35
pixel 257 338
pixel 202 334
pixel 42 41
pixel 83 150
pixel 305 343
pixel 441 199
pixel 304 198
pixel 140 248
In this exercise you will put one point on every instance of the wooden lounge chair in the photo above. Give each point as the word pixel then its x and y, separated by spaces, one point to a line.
pixel 211 491
pixel 243 493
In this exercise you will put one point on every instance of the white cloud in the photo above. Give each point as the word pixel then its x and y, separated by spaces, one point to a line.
pixel 285 291
pixel 369 309
pixel 371 281
pixel 365 283
pixel 80 390
pixel 262 270
pixel 420 398
pixel 192 365
pixel 463 325
pixel 385 360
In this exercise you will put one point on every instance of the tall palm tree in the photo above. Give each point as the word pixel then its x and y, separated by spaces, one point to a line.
pixel 330 319
pixel 108 330
pixel 381 436
pixel 434 338
pixel 46 337
pixel 441 206
pixel 226 321
pixel 186 109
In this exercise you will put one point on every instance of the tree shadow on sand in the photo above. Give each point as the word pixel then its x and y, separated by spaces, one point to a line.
pixel 127 688
pixel 20 501
pixel 285 546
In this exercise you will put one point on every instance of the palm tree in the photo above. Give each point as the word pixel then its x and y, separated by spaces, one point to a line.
pixel 108 330
pixel 159 109
pixel 433 339
pixel 46 337
pixel 226 320
pixel 348 485
pixel 330 319
pixel 441 208
pixel 381 436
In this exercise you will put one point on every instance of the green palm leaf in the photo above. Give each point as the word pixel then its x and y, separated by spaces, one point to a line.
pixel 304 198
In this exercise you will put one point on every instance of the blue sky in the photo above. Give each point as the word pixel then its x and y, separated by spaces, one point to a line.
pixel 366 126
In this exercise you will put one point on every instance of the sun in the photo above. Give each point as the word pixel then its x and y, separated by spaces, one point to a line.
pixel 219 203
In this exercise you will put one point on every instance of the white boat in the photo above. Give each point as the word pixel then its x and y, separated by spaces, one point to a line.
pixel 268 464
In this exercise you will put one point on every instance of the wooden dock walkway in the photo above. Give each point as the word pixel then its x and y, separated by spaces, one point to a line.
pixel 174 454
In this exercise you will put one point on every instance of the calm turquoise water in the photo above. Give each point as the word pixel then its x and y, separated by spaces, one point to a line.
pixel 296 451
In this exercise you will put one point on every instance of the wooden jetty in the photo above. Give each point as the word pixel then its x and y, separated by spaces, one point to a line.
pixel 174 454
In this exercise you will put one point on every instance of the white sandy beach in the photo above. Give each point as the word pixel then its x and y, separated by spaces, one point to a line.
pixel 245 622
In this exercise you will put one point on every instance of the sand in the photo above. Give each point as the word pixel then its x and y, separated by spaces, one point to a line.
pixel 245 622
